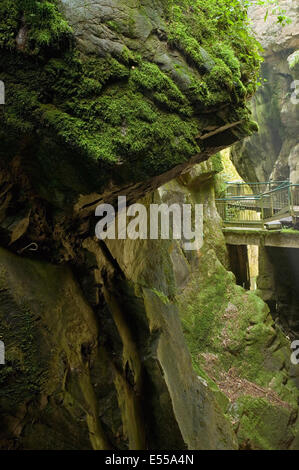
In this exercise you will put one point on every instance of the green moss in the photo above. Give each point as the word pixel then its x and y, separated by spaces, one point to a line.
pixel 220 397
pixel 226 53
pixel 122 110
pixel 161 296
pixel 45 25
pixel 231 327
pixel 294 60
pixel 216 161
pixel 149 77
pixel 24 373
pixel 262 425
pixel 215 39
pixel 289 230
pixel 9 19
pixel 117 122
pixel 114 26
pixel 198 313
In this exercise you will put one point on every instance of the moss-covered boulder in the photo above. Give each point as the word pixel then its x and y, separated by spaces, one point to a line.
pixel 109 94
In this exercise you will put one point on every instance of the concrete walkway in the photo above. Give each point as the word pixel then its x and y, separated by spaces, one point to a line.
pixel 255 236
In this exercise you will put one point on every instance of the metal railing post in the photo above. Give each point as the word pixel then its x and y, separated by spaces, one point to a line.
pixel 262 209
pixel 291 203
pixel 271 205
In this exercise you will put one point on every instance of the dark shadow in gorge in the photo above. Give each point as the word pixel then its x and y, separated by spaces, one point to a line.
pixel 278 284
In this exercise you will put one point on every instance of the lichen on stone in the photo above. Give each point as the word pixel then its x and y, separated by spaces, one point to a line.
pixel 293 60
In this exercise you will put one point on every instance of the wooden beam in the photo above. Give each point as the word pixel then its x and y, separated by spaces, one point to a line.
pixel 219 130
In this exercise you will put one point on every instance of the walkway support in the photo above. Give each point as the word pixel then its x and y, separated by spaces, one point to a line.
pixel 259 237
pixel 239 264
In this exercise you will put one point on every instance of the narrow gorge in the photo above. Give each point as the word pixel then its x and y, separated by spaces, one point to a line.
pixel 142 344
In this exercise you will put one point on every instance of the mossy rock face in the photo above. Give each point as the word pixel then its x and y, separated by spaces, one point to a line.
pixel 61 388
pixel 231 337
pixel 119 91
pixel 235 345
pixel 142 92
pixel 293 61
pixel 177 396
pixel 116 376
pixel 262 425
pixel 46 396
pixel 272 154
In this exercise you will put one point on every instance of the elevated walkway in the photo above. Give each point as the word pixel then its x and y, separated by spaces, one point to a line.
pixel 254 205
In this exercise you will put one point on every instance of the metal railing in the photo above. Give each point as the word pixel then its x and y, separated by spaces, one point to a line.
pixel 237 189
pixel 240 211
pixel 257 209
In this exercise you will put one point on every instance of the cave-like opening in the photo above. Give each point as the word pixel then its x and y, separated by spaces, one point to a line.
pixel 244 263
pixel 278 284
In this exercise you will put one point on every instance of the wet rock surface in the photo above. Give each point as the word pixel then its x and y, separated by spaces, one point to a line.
pixel 96 356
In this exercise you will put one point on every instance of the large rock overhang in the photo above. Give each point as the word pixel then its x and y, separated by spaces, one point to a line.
pixel 106 97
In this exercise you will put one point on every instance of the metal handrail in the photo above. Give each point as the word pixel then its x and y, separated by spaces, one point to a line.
pixel 258 209
pixel 259 182
pixel 277 189
pixel 234 198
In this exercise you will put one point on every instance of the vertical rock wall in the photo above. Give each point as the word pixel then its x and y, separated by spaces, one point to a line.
pixel 274 152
